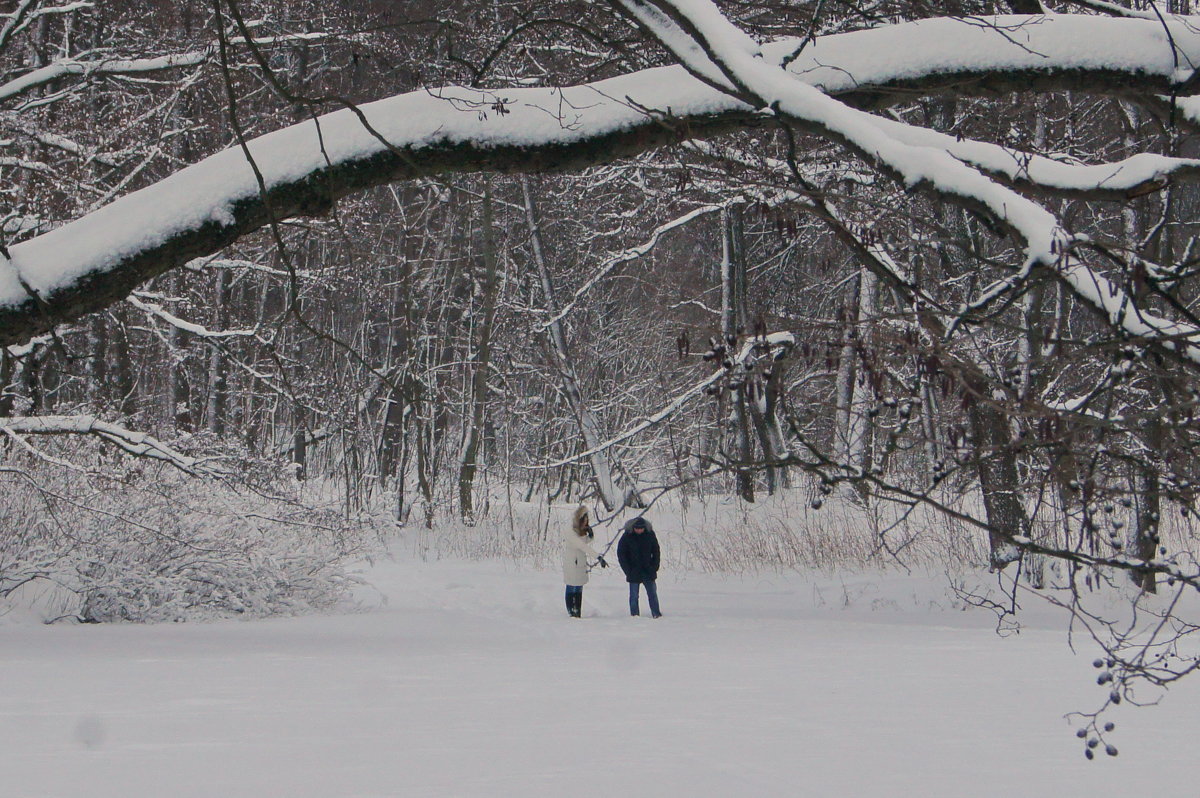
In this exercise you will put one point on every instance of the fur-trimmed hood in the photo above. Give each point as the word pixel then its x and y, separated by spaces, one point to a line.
pixel 649 526
pixel 579 522
pixel 577 548
pixel 638 552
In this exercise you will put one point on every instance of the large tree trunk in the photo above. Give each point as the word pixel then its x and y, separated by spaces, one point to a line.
pixel 1148 504
pixel 846 372
pixel 97 361
pixel 31 374
pixel 179 399
pixel 300 442
pixel 218 367
pixel 8 395
pixel 998 480
pixel 1147 501
pixel 398 405
pixel 763 406
pixel 858 434
pixel 425 468
pixel 124 377
pixel 480 362
pixel 1029 354
pixel 391 439
pixel 733 324
pixel 585 417
pixel 854 392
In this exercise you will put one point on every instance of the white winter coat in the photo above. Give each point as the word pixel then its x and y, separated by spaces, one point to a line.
pixel 576 553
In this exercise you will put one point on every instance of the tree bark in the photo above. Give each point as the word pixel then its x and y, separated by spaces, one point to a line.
pixel 733 325
pixel 217 406
pixel 8 395
pixel 96 371
pixel 854 392
pixel 998 480
pixel 480 363
pixel 589 425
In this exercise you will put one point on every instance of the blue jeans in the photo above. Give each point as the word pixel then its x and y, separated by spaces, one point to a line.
pixel 651 596
pixel 573 590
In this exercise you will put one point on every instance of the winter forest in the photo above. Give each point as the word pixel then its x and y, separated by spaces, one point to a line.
pixel 313 312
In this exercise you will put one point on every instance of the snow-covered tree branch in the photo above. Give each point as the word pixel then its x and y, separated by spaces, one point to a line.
pixel 135 443
pixel 93 261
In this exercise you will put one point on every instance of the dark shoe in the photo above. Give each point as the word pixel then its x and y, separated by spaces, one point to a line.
pixel 577 605
pixel 656 615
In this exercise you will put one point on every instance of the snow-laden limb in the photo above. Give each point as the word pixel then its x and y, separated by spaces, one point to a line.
pixel 71 67
pixel 1138 174
pixel 1123 313
pixel 1116 10
pixel 60 142
pixel 760 82
pixel 96 260
pixel 112 65
pixel 238 264
pixel 89 263
pixel 777 345
pixel 24 348
pixel 1045 242
pixel 198 330
pixel 985 55
pixel 139 444
pixel 1187 108
pixel 1078 406
pixel 27 11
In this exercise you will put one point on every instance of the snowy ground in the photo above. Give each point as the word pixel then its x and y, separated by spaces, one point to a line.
pixel 471 681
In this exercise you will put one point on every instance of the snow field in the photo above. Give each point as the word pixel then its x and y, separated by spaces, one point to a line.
pixel 471 681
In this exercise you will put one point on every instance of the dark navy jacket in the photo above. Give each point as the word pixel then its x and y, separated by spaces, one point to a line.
pixel 638 553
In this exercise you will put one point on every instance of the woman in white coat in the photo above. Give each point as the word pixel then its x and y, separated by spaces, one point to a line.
pixel 577 549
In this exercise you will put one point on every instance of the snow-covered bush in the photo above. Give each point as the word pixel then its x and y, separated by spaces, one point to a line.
pixel 722 533
pixel 783 532
pixel 141 542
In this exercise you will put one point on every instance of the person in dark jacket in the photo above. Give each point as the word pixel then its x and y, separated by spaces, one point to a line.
pixel 638 554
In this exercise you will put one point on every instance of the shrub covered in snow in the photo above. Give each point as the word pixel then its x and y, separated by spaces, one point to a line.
pixel 722 534
pixel 132 541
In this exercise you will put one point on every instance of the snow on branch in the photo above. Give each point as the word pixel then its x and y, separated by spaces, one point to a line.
pixel 1047 245
pixel 1134 176
pixel 239 264
pixel 100 65
pixel 1116 10
pixel 92 262
pixel 632 253
pixel 768 86
pixel 982 55
pixel 777 345
pixel 25 13
pixel 139 444
pixel 198 330
pixel 646 423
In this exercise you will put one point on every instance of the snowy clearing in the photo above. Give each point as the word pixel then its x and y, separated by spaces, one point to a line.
pixel 471 681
